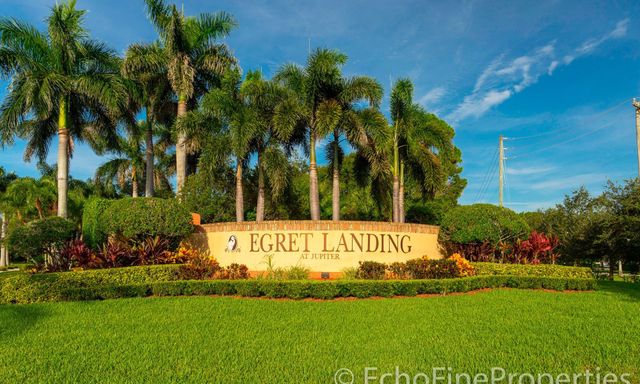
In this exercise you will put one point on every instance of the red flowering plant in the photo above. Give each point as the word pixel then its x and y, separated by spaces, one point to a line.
pixel 538 248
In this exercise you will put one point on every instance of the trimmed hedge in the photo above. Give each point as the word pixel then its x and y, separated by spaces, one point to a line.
pixel 38 238
pixel 135 218
pixel 479 223
pixel 93 232
pixel 28 288
pixel 20 289
pixel 540 270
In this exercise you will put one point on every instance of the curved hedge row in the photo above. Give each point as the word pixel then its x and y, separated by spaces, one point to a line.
pixel 542 270
pixel 21 289
pixel 479 223
pixel 135 218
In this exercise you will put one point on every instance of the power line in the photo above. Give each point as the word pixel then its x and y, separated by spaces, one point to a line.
pixel 557 144
pixel 486 180
pixel 486 176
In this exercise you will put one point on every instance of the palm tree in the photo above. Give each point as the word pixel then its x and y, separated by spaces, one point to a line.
pixel 27 197
pixel 421 141
pixel 191 58
pixel 357 126
pixel 240 122
pixel 129 161
pixel 155 95
pixel 271 145
pixel 62 83
pixel 315 109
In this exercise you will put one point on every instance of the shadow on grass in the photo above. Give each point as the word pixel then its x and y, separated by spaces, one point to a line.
pixel 630 290
pixel 16 319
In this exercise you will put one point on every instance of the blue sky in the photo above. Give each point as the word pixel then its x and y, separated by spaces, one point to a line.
pixel 556 78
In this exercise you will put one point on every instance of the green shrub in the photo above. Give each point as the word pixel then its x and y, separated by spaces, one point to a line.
pixel 27 288
pixel 350 273
pixel 431 269
pixel 371 270
pixel 23 289
pixel 140 218
pixel 40 239
pixel 539 270
pixel 479 223
pixel 297 272
pixel 234 271
pixel 93 231
pixel 430 212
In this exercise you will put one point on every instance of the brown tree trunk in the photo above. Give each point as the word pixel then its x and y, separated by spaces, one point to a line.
pixel 149 171
pixel 39 209
pixel 336 194
pixel 260 202
pixel 401 195
pixel 239 194
pixel 396 181
pixel 63 159
pixel 134 181
pixel 396 196
pixel 4 253
pixel 314 196
pixel 335 197
pixel 181 150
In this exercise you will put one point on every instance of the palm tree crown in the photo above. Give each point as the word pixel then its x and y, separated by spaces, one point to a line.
pixel 189 55
pixel 62 83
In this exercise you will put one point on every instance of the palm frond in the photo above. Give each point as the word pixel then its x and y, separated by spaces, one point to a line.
pixel 212 26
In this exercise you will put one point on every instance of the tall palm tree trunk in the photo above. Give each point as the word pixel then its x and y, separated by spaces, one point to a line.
pixel 401 194
pixel 149 171
pixel 134 181
pixel 314 196
pixel 4 253
pixel 260 202
pixel 181 150
pixel 239 193
pixel 335 198
pixel 396 182
pixel 63 159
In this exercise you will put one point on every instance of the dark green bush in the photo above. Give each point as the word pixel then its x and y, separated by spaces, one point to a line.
pixel 40 239
pixel 140 218
pixel 540 270
pixel 371 270
pixel 430 212
pixel 23 289
pixel 431 269
pixel 480 223
pixel 93 231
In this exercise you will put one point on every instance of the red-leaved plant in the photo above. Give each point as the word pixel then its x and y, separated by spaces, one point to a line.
pixel 538 248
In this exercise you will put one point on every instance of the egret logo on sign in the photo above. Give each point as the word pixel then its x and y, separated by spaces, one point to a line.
pixel 232 244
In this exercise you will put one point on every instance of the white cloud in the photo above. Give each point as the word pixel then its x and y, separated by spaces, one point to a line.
pixel 590 45
pixel 502 78
pixel 432 97
pixel 477 104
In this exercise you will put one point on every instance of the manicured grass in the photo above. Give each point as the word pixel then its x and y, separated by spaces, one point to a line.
pixel 231 340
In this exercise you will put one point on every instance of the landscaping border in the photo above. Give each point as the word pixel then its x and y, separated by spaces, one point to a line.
pixel 21 290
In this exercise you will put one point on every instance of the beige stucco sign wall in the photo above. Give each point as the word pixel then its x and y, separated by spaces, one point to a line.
pixel 321 246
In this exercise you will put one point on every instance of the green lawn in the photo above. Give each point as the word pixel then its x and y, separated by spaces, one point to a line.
pixel 230 340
